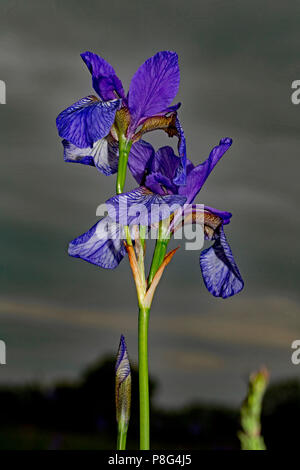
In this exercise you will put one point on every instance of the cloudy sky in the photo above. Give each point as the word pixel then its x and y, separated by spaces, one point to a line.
pixel 57 314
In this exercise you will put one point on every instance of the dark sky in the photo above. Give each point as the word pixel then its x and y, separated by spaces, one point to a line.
pixel 57 314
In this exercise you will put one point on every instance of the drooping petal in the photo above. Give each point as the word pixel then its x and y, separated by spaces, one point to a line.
pixel 220 273
pixel 87 121
pixel 105 80
pixel 75 154
pixel 208 217
pixel 198 175
pixel 104 155
pixel 154 85
pixel 140 160
pixel 225 216
pixel 101 245
pixel 141 206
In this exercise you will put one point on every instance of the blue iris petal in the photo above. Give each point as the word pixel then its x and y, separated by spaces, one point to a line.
pixel 101 245
pixel 87 121
pixel 104 155
pixel 219 270
pixel 141 206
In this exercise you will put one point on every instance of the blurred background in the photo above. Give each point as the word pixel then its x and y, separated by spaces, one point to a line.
pixel 59 315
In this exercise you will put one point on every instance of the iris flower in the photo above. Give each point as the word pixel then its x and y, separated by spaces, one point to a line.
pixel 101 131
pixel 102 244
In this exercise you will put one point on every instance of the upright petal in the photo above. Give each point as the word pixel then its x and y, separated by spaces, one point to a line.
pixel 162 171
pixel 198 175
pixel 87 121
pixel 166 162
pixel 140 160
pixel 219 270
pixel 104 155
pixel 154 85
pixel 101 245
pixel 105 81
pixel 141 206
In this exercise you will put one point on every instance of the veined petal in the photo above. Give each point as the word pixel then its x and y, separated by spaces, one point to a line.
pixel 170 110
pixel 141 206
pixel 160 184
pixel 104 155
pixel 105 80
pixel 196 214
pixel 101 245
pixel 154 85
pixel 87 121
pixel 166 162
pixel 140 159
pixel 198 175
pixel 171 125
pixel 220 273
pixel 210 219
pixel 225 216
pixel 163 169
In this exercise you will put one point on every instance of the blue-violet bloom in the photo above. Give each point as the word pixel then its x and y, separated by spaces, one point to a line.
pixel 92 127
pixel 155 175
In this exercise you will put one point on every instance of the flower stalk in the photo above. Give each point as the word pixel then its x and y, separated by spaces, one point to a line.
pixel 145 296
pixel 124 149
pixel 102 132
pixel 144 378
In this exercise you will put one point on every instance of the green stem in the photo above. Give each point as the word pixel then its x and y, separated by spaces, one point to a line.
pixel 143 378
pixel 124 149
pixel 122 435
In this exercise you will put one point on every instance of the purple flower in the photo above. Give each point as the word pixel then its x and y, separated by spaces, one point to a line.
pixel 92 127
pixel 155 175
pixel 102 245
